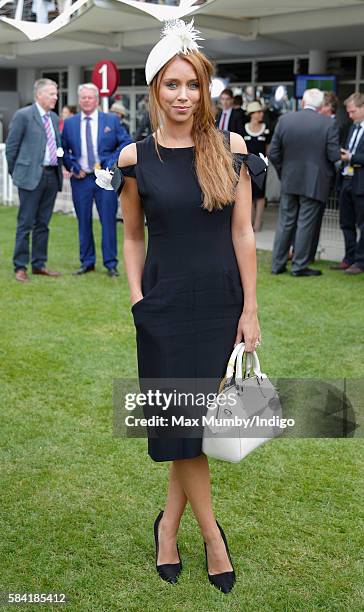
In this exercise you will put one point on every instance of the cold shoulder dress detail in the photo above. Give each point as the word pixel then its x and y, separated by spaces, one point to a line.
pixel 187 320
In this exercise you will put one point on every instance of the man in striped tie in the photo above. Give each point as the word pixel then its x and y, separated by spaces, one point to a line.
pixel 34 157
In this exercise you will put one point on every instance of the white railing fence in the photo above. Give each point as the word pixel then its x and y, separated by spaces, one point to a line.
pixel 7 188
pixel 9 193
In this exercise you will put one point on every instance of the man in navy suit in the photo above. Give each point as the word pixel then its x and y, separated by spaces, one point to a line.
pixel 351 200
pixel 92 139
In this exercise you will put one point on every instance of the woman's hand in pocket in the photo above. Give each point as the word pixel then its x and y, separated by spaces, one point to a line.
pixel 135 298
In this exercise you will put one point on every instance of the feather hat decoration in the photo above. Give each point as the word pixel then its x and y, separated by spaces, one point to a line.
pixel 177 37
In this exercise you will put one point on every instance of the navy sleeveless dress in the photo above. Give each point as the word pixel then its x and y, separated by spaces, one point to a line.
pixel 186 322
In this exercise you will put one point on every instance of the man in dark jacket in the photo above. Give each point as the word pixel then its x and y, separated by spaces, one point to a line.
pixel 304 148
pixel 34 156
pixel 351 200
pixel 230 118
pixel 330 108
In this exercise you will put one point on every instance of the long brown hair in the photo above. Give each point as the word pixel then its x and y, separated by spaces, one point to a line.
pixel 213 159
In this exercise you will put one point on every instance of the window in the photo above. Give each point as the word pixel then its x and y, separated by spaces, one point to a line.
pixel 139 74
pixel 235 73
pixel 8 79
pixel 280 70
pixel 342 67
pixel 64 79
pixel 303 66
pixel 345 90
pixel 61 78
pixel 125 75
pixel 53 76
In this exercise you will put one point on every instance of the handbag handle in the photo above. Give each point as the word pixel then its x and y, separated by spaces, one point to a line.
pixel 235 364
pixel 230 369
pixel 239 362
pixel 232 359
pixel 252 360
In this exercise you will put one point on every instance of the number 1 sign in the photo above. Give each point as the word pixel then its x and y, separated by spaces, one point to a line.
pixel 105 76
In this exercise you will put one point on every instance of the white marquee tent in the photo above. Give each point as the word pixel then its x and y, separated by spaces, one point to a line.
pixel 270 27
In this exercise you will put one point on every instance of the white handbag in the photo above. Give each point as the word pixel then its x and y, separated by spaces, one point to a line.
pixel 246 412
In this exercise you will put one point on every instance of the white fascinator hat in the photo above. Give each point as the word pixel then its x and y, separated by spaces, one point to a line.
pixel 177 37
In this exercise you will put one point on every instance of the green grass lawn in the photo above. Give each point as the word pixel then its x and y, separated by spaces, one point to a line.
pixel 78 504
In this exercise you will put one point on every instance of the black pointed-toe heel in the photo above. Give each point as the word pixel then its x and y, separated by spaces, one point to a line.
pixel 226 580
pixel 167 571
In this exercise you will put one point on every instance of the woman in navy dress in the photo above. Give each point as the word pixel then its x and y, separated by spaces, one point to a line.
pixel 193 295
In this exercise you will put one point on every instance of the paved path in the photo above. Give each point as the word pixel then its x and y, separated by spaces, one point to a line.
pixel 331 245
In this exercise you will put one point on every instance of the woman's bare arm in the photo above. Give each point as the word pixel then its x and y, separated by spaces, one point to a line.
pixel 245 251
pixel 133 215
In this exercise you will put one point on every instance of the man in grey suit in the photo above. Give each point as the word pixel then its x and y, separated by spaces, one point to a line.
pixel 304 149
pixel 34 156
